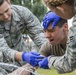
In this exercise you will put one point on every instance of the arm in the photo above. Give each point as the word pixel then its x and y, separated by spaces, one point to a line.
pixel 6 51
pixel 34 27
pixel 7 67
pixel 24 70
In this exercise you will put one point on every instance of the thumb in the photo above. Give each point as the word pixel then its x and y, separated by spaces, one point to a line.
pixel 55 22
pixel 34 53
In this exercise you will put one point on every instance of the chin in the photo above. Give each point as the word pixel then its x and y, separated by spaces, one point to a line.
pixel 7 20
pixel 52 43
pixel 67 17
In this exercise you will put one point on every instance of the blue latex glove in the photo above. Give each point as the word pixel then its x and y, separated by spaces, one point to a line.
pixel 44 63
pixel 32 58
pixel 48 18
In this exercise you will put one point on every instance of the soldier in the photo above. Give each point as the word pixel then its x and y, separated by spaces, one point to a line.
pixel 14 20
pixel 65 9
pixel 56 31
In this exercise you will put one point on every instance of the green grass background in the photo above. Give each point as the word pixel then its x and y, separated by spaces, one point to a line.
pixel 52 72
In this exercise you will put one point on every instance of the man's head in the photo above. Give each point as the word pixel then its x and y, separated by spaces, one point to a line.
pixel 5 10
pixel 63 8
pixel 55 32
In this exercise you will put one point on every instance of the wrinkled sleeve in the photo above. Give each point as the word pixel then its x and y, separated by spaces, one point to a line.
pixel 4 49
pixel 67 62
pixel 7 68
pixel 34 28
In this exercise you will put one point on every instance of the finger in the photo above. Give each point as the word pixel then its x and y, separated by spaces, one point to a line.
pixel 39 57
pixel 39 60
pixel 34 53
pixel 46 23
pixel 55 22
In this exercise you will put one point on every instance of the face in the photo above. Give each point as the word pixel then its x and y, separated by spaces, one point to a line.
pixel 56 35
pixel 5 12
pixel 64 11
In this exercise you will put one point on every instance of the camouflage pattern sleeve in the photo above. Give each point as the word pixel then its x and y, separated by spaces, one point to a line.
pixel 7 68
pixel 3 71
pixel 67 62
pixel 33 26
pixel 5 50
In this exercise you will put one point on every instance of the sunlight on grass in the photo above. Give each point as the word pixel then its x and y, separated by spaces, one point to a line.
pixel 52 72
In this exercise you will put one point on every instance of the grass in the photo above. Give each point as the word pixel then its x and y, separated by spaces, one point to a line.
pixel 51 72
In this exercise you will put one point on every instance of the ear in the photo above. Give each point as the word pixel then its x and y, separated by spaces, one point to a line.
pixel 65 26
pixel 60 8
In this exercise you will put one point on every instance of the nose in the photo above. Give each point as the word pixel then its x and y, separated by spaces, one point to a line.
pixel 5 16
pixel 47 35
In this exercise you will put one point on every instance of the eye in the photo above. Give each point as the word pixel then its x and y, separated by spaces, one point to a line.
pixel 49 30
pixel 6 10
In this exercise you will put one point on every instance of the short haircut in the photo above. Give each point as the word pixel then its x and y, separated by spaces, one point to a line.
pixel 61 22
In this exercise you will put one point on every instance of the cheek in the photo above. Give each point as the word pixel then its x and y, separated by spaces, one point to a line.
pixel 52 9
pixel 1 17
pixel 58 39
pixel 58 35
pixel 9 12
pixel 59 13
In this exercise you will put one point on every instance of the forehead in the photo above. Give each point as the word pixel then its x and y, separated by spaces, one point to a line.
pixel 50 27
pixel 4 6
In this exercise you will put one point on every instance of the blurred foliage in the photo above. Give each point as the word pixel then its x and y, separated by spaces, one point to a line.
pixel 36 6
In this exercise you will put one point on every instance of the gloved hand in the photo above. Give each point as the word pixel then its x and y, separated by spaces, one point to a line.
pixel 32 58
pixel 44 63
pixel 48 18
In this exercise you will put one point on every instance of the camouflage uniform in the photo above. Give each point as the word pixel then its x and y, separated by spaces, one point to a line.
pixel 6 55
pixel 67 62
pixel 11 39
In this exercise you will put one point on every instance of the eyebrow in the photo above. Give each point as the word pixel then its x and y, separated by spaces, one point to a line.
pixel 4 11
pixel 50 29
pixel 7 10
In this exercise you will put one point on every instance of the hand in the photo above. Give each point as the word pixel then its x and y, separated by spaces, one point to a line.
pixel 50 17
pixel 44 63
pixel 32 58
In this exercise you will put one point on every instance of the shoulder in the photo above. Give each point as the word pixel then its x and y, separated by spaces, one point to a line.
pixel 22 11
pixel 18 8
pixel 72 36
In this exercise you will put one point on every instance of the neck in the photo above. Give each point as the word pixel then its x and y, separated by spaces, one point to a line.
pixel 63 43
